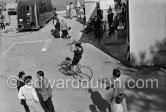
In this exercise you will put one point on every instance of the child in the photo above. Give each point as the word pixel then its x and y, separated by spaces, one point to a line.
pixel 117 103
pixel 69 33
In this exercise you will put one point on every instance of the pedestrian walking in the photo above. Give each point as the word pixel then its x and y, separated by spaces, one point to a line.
pixel 100 13
pixel 45 91
pixel 7 19
pixel 55 16
pixel 63 29
pixel 72 10
pixel 57 29
pixel 2 21
pixel 117 84
pixel 110 17
pixel 67 10
pixel 21 83
pixel 28 93
pixel 78 6
pixel 97 28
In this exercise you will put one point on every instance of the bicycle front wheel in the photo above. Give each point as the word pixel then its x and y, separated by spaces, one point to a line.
pixel 86 70
pixel 81 77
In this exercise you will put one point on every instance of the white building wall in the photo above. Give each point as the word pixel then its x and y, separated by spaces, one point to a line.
pixel 147 20
pixel 105 4
pixel 90 8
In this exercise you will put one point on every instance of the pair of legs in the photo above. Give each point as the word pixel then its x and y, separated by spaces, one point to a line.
pixel 23 102
pixel 97 33
pixel 64 34
pixel 47 105
pixel 34 106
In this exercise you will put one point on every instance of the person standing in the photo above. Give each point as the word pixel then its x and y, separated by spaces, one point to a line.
pixel 63 29
pixel 20 83
pixel 7 19
pixel 78 6
pixel 97 27
pixel 2 20
pixel 45 91
pixel 57 29
pixel 67 10
pixel 55 16
pixel 110 17
pixel 72 10
pixel 117 84
pixel 99 13
pixel 28 93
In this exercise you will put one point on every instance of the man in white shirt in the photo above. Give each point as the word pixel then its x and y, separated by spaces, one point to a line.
pixel 28 93
pixel 118 87
pixel 20 83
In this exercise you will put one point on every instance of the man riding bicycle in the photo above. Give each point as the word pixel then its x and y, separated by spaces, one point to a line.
pixel 77 55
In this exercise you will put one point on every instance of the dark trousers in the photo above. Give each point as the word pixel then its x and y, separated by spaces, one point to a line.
pixel 23 102
pixel 2 25
pixel 48 105
pixel 97 33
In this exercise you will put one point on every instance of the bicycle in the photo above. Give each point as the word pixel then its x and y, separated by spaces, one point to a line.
pixel 81 73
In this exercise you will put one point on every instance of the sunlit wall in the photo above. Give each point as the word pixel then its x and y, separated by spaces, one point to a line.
pixel 147 20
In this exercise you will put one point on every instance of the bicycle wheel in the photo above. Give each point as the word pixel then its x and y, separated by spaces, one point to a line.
pixel 81 77
pixel 86 70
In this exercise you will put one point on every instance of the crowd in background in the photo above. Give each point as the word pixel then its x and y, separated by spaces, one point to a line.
pixel 117 19
pixel 75 9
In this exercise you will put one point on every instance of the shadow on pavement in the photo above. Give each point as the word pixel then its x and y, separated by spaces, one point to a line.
pixel 93 108
pixel 98 101
pixel 148 90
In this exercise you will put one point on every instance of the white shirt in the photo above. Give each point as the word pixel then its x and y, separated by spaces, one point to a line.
pixel 28 93
pixel 117 107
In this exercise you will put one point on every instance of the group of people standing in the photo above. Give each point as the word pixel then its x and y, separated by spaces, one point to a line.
pixel 62 30
pixel 35 99
pixel 74 9
pixel 117 18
